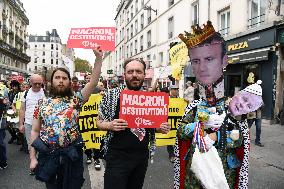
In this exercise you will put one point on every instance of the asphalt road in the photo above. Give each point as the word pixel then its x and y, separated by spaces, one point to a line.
pixel 266 167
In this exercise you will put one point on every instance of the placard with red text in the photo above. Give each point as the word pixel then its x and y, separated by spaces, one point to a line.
pixel 89 38
pixel 144 109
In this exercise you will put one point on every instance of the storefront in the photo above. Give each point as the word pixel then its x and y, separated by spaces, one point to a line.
pixel 253 57
pixel 162 73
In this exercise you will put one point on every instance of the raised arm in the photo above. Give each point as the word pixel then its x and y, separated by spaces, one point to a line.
pixel 95 75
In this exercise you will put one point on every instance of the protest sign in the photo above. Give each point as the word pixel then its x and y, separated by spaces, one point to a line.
pixel 92 136
pixel 176 111
pixel 89 38
pixel 144 109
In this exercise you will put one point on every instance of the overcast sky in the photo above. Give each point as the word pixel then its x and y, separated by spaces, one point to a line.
pixel 45 15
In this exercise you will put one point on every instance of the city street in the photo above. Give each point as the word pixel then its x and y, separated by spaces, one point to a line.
pixel 266 167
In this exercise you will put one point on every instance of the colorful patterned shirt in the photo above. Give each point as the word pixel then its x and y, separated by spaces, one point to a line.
pixel 59 118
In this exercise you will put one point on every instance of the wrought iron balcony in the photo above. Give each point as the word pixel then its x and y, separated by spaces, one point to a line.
pixel 256 21
pixel 9 49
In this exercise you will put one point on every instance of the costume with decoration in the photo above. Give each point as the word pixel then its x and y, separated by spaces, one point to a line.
pixel 231 150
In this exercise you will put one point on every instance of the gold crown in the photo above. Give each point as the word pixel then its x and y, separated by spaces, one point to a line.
pixel 198 35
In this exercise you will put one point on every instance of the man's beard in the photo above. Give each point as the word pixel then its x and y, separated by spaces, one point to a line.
pixel 55 92
pixel 134 88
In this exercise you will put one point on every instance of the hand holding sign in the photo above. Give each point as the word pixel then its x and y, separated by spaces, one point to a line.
pixel 118 125
pixel 98 52
pixel 164 128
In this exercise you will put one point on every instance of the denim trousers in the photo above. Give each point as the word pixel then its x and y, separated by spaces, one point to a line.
pixel 257 128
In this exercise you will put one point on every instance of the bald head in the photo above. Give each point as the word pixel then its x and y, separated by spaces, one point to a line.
pixel 36 82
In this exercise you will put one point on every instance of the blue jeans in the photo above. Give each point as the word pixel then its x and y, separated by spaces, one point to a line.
pixel 257 126
pixel 3 157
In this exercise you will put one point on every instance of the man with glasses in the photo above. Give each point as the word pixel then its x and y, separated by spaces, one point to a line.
pixel 29 101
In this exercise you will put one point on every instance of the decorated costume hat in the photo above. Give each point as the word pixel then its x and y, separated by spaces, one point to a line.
pixel 254 88
pixel 198 35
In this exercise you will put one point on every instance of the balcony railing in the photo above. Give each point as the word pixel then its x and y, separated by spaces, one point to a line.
pixel 8 48
pixel 256 21
pixel 225 31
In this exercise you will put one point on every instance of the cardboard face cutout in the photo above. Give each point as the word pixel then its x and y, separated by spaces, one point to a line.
pixel 208 62
pixel 245 102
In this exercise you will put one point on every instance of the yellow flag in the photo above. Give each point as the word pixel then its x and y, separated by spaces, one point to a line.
pixel 178 59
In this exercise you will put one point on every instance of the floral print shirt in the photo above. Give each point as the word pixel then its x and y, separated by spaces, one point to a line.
pixel 59 119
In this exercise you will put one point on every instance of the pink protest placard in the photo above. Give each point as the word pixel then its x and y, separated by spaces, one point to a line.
pixel 144 109
pixel 89 38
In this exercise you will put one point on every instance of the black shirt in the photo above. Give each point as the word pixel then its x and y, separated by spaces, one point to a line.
pixel 126 140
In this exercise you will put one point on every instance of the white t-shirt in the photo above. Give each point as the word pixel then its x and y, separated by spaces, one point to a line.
pixel 31 101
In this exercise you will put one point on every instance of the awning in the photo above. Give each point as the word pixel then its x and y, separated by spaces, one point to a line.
pixel 162 72
pixel 249 56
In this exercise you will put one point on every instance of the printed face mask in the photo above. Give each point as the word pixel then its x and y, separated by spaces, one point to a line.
pixel 244 102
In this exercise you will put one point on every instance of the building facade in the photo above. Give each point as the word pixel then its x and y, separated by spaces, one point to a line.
pixel 253 30
pixel 13 25
pixel 47 52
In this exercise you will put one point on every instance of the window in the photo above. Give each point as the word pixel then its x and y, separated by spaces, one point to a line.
pixel 122 34
pixel 136 26
pixel 127 50
pixel 35 67
pixel 51 61
pixel 132 14
pixel 56 54
pixel 135 46
pixel 51 46
pixel 224 22
pixel 43 53
pixel 171 2
pixel 142 3
pixel 51 53
pixel 136 6
pixel 35 61
pixel 56 62
pixel 128 16
pixel 127 33
pixel 141 43
pixel 131 30
pixel 131 49
pixel 120 53
pixel 43 45
pixel 149 61
pixel 149 39
pixel 257 12
pixel 195 13
pixel 149 16
pixel 43 60
pixel 142 21
pixel 161 57
pixel 170 27
pixel 35 46
pixel 56 46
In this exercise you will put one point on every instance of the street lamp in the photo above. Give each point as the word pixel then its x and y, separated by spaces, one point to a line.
pixel 150 8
